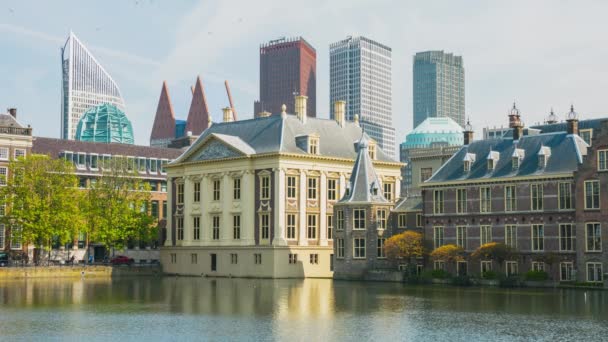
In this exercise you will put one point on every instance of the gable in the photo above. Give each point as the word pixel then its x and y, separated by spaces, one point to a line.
pixel 214 149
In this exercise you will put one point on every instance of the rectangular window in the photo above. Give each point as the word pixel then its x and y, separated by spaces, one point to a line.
pixel 236 227
pixel 511 268
pixel 402 221
pixel 485 234
pixel 592 194
pixel 566 271
pixel 313 147
pixel 3 153
pixel 439 265
pixel 153 166
pixel 425 173
pixel 197 192
pixel 330 226
pixel 538 266
pixel 163 186
pixel 510 198
pixel 94 161
pixel 312 188
pixel 538 238
pixel 234 258
pixel 236 189
pixel 314 259
pixel 180 193
pixel 593 232
pixel 586 135
pixel 291 226
pixel 265 226
pixel 418 220
pixel 3 175
pixel 216 189
pixel 566 238
pixel 163 163
pixel 380 248
pixel 485 199
pixel 265 193
pixel 594 272
pixel 438 202
pixel 437 237
pixel 291 187
pixel 340 248
pixel 19 153
pixel 461 201
pixel 388 191
pixel 331 190
pixel 359 219
pixel 511 236
pixel 141 164
pixel 257 258
pixel 164 213
pixel 340 220
pixel 536 196
pixel 194 258
pixel 293 258
pixel 381 218
pixel 359 248
pixel 565 195
pixel 461 236
pixel 180 228
pixel 216 227
pixel 602 160
pixel 196 224
pixel 173 258
pixel 486 266
pixel 312 226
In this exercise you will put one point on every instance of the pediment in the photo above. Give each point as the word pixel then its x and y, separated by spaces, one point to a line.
pixel 219 146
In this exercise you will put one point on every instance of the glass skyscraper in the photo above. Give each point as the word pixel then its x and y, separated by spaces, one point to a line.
pixel 438 86
pixel 360 74
pixel 85 84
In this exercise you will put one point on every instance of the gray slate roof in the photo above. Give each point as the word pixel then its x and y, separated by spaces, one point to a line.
pixel 566 154
pixel 411 203
pixel 8 120
pixel 277 134
pixel 364 185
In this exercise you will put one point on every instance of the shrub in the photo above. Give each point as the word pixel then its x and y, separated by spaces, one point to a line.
pixel 406 245
pixel 440 274
pixel 448 253
pixel 536 275
pixel 489 275
pixel 494 251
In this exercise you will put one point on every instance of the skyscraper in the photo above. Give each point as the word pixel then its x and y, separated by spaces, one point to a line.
pixel 438 86
pixel 85 84
pixel 360 74
pixel 287 66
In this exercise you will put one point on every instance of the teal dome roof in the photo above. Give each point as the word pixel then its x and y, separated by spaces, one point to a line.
pixel 435 130
pixel 105 123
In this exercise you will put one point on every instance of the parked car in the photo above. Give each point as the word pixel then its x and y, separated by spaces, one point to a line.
pixel 3 259
pixel 122 260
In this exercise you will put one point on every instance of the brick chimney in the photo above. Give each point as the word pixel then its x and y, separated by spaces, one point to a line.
pixel 227 114
pixel 468 133
pixel 13 112
pixel 572 121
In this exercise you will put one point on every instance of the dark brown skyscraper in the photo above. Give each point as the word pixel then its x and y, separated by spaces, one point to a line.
pixel 287 66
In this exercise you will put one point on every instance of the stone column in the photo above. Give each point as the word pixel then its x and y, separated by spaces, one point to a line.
pixel 323 209
pixel 169 213
pixel 303 192
pixel 279 208
pixel 248 211
pixel 206 199
pixel 226 224
pixel 397 188
pixel 188 201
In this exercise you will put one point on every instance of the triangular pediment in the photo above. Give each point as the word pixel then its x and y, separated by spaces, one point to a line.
pixel 220 146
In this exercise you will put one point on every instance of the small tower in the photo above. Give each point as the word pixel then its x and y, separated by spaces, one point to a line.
pixel 572 121
pixel 468 132
pixel 552 118
pixel 362 217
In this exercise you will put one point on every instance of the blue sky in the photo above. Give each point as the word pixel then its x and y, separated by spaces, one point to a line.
pixel 541 54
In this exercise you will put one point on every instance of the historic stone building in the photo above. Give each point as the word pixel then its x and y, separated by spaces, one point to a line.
pixel 255 198
pixel 536 190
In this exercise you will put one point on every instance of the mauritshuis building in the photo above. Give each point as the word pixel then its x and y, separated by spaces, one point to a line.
pixel 438 87
pixel 360 75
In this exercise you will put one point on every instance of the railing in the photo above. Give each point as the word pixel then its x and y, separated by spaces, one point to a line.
pixel 15 130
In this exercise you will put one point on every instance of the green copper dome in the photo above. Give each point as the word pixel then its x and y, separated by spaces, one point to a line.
pixel 105 123
pixel 434 130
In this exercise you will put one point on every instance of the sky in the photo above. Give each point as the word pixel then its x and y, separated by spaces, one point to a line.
pixel 540 54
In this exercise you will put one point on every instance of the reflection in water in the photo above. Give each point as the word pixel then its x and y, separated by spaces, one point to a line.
pixel 165 308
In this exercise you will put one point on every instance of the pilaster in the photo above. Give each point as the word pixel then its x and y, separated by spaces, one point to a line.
pixel 302 239
pixel 323 209
pixel 279 207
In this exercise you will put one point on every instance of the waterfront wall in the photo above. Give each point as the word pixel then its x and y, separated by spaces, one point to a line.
pixel 8 273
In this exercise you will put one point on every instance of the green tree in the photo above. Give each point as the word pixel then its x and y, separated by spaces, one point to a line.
pixel 117 206
pixel 42 201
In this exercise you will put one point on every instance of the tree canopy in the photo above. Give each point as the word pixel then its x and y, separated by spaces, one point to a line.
pixel 404 246
pixel 494 251
pixel 448 253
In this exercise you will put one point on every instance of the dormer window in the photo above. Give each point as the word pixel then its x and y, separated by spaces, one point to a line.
pixel 467 166
pixel 372 149
pixel 308 143
pixel 542 161
pixel 516 158
pixel 468 160
pixel 313 145
pixel 543 156
pixel 493 157
pixel 490 164
pixel 515 163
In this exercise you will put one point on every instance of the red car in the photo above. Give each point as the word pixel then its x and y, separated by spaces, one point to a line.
pixel 122 260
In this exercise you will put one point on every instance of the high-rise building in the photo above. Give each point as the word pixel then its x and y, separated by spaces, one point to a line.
pixel 85 84
pixel 360 74
pixel 438 86
pixel 288 66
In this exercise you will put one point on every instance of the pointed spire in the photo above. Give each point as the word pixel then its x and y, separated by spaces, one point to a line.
pixel 164 121
pixel 198 116
pixel 364 184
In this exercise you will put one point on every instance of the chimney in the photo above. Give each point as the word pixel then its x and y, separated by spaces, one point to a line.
pixel 227 114
pixel 468 133
pixel 339 109
pixel 301 107
pixel 514 118
pixel 356 120
pixel 13 112
pixel 572 121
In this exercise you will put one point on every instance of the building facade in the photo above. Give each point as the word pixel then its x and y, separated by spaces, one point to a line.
pixel 15 142
pixel 288 67
pixel 255 198
pixel 438 86
pixel 425 149
pixel 361 75
pixel 85 84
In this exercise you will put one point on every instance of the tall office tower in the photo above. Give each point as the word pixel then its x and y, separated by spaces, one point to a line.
pixel 287 66
pixel 360 74
pixel 86 84
pixel 438 86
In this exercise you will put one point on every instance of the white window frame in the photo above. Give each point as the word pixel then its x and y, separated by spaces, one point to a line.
pixel 4 153
pixel 594 205
pixel 511 268
pixel 566 271
pixel 537 241
pixel 602 155
pixel 567 239
pixel 265 187
pixel 359 219
pixel 381 219
pixel 485 234
pixel 292 192
pixel 461 236
pixel 594 273
pixel 291 227
pixel 24 151
pixel 312 225
pixel 340 248
pixel 594 244
pixel 359 248
pixel 438 236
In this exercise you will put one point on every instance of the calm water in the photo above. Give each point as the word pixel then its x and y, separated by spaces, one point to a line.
pixel 299 310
